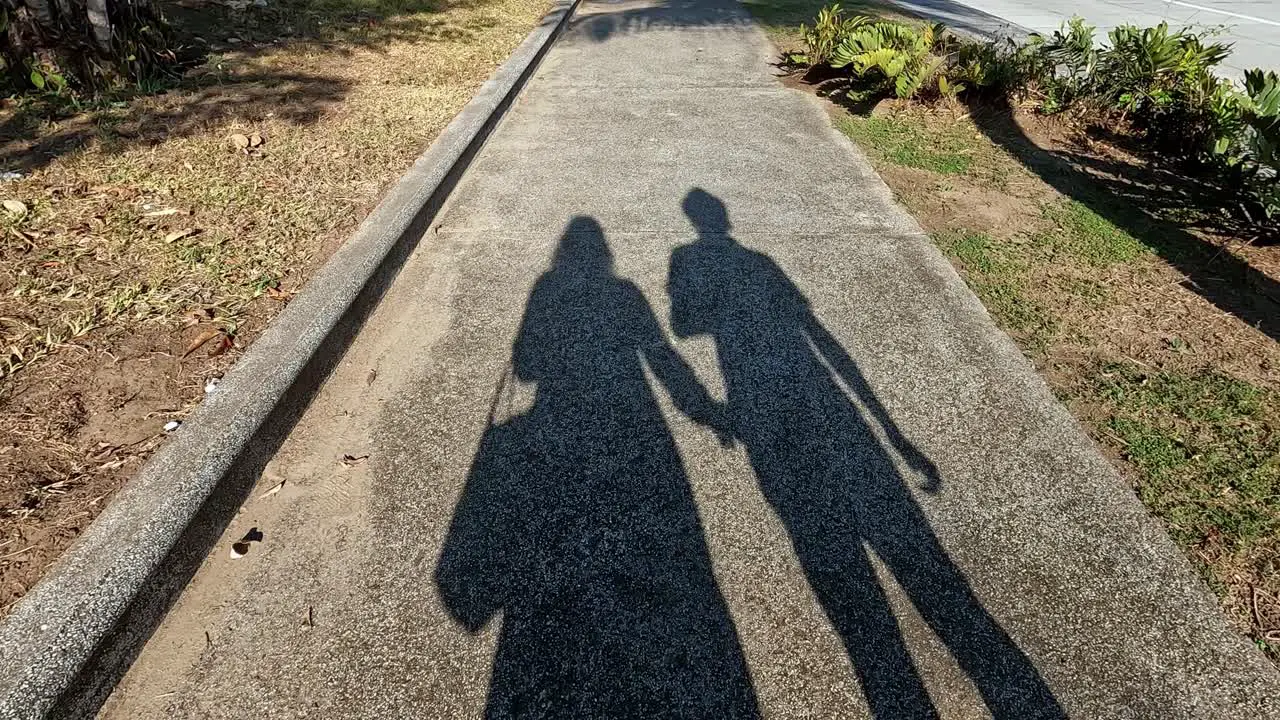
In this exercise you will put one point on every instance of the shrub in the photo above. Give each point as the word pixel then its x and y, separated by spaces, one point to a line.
pixel 1069 64
pixel 1155 83
pixel 75 47
pixel 829 30
pixel 999 67
pixel 1248 144
pixel 1163 81
pixel 900 55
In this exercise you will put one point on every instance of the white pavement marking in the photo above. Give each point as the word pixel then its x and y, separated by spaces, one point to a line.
pixel 1242 16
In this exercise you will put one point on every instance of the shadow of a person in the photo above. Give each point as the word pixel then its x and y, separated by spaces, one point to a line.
pixel 578 524
pixel 832 483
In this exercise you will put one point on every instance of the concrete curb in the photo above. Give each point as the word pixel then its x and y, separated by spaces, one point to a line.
pixel 67 643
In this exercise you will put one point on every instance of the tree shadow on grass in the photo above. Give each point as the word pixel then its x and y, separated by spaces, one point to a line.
pixel 1132 203
pixel 28 142
pixel 218 77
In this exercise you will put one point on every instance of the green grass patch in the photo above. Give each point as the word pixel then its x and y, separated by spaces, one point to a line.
pixel 974 250
pixel 1208 448
pixel 999 280
pixel 1086 235
pixel 904 142
pixel 1009 302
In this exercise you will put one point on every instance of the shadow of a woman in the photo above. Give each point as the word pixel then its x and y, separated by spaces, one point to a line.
pixel 830 480
pixel 577 522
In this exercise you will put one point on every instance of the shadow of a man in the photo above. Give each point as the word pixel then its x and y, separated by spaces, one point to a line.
pixel 578 524
pixel 831 481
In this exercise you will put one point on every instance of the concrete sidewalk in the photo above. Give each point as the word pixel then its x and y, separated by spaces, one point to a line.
pixel 676 413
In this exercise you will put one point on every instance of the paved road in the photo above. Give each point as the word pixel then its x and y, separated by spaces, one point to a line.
pixel 675 413
pixel 1252 26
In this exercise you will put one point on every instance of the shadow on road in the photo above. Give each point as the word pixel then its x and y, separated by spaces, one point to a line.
pixel 604 20
pixel 833 484
pixel 578 524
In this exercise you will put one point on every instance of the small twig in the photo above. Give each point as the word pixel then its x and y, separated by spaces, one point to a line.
pixel 1115 437
pixel 18 552
pixel 1139 362
pixel 1253 599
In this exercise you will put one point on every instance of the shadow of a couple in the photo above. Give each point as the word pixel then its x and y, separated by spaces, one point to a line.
pixel 578 523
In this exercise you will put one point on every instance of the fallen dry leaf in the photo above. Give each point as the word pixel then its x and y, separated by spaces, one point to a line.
pixel 201 339
pixel 179 234
pixel 272 490
pixel 225 344
pixel 197 316
pixel 17 207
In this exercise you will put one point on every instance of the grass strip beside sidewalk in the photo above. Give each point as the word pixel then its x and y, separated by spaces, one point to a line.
pixel 152 237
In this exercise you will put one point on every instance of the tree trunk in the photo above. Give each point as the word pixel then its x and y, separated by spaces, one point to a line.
pixel 86 45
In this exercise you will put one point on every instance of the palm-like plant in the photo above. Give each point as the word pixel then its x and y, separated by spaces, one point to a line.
pixel 900 54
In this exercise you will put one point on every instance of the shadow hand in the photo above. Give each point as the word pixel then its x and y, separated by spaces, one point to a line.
pixel 716 417
pixel 917 461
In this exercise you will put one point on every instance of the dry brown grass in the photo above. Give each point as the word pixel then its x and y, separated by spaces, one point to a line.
pixel 147 229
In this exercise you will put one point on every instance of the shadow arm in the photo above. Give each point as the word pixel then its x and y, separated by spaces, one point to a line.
pixel 688 394
pixel 847 370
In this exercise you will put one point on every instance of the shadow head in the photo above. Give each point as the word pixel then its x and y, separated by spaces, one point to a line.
pixel 582 249
pixel 707 213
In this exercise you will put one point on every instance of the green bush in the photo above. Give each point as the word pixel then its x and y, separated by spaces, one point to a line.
pixel 1160 81
pixel 1248 145
pixel 1002 67
pixel 1070 63
pixel 890 56
pixel 899 55
pixel 1162 84
pixel 72 48
pixel 1156 84
pixel 829 29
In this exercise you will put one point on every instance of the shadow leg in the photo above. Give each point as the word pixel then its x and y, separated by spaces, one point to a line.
pixel 1009 683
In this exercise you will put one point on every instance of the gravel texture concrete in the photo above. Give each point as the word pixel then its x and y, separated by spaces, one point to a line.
pixel 63 647
pixel 675 413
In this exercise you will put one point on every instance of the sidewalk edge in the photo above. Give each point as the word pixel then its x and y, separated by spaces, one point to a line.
pixel 65 645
